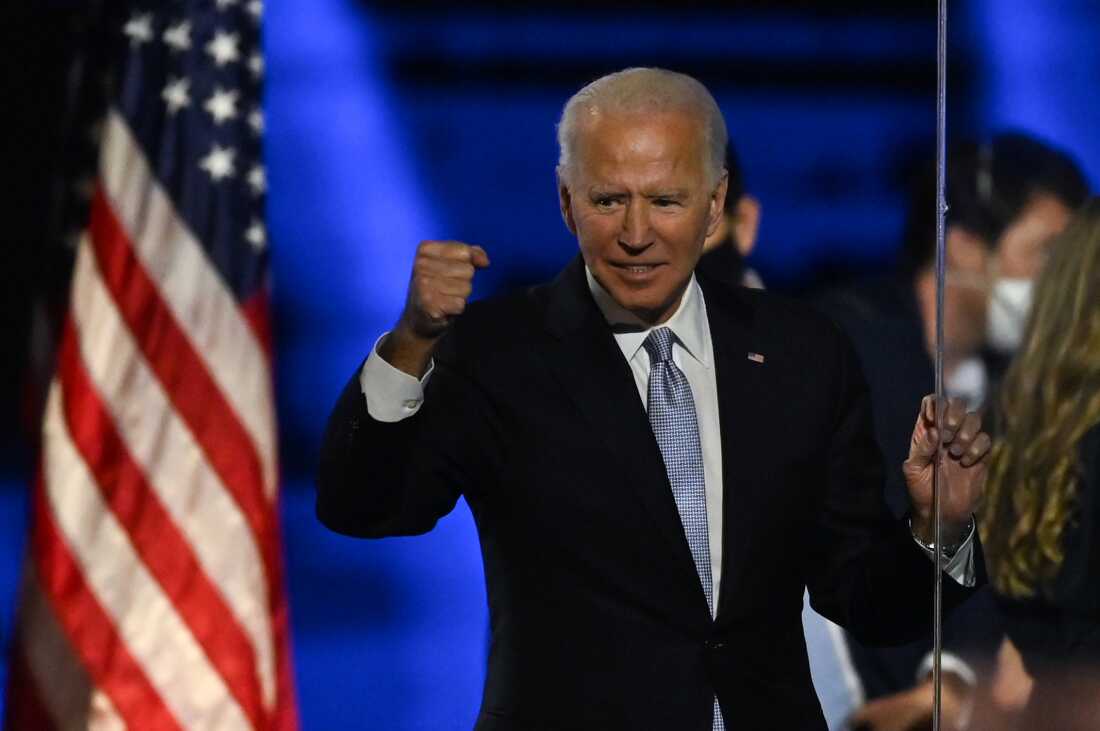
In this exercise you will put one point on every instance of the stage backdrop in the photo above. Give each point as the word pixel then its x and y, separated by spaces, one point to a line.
pixel 388 125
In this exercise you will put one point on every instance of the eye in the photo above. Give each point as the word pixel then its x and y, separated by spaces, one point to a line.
pixel 604 201
pixel 665 202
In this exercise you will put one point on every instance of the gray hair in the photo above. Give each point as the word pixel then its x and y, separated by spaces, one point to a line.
pixel 645 90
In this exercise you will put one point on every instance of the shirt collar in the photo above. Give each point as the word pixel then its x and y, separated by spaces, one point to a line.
pixel 688 323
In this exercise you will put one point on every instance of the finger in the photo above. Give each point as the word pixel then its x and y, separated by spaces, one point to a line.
pixel 452 306
pixel 979 448
pixel 452 250
pixel 924 449
pixel 453 287
pixel 969 429
pixel 439 307
pixel 927 409
pixel 452 268
pixel 953 418
pixel 478 257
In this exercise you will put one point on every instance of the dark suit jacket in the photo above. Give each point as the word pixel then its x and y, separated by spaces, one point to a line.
pixel 880 317
pixel 597 616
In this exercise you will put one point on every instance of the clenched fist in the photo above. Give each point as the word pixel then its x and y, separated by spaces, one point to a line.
pixel 442 279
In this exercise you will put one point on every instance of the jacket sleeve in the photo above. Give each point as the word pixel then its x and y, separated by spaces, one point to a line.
pixel 870 577
pixel 388 479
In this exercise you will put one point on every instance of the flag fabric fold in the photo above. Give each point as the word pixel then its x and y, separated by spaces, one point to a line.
pixel 154 595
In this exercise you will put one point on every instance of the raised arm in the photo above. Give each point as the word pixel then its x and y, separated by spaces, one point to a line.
pixel 402 441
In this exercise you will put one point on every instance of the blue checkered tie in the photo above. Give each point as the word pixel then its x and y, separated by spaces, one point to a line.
pixel 671 410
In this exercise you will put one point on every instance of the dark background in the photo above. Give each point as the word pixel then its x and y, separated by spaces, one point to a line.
pixel 388 125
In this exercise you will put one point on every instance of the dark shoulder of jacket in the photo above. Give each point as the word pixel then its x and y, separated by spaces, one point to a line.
pixel 489 332
pixel 782 321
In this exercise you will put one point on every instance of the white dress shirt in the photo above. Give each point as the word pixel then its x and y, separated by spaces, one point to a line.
pixel 393 395
pixel 693 354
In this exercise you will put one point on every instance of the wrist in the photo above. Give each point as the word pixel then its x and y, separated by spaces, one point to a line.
pixel 405 350
pixel 954 534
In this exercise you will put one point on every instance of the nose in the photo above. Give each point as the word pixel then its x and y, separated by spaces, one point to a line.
pixel 636 234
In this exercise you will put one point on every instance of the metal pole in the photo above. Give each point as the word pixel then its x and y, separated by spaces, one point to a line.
pixel 937 475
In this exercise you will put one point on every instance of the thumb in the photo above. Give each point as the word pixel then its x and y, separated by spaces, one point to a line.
pixel 478 257
pixel 924 446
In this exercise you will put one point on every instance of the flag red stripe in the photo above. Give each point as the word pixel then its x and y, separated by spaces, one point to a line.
pixel 157 540
pixel 257 312
pixel 92 632
pixel 195 396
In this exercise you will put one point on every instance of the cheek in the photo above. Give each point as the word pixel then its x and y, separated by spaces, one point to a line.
pixel 595 231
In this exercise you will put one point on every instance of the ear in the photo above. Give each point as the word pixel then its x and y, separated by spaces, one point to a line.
pixel 717 204
pixel 746 223
pixel 565 201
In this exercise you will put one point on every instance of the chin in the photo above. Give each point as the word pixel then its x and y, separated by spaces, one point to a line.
pixel 649 304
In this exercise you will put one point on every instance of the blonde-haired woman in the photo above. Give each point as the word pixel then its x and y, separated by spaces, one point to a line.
pixel 1040 523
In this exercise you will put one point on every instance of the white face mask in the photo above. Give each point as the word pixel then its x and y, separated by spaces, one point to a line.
pixel 1009 304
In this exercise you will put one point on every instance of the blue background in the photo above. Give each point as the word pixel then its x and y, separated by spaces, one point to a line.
pixel 388 126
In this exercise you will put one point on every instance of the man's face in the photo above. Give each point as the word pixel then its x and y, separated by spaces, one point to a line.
pixel 1023 247
pixel 639 201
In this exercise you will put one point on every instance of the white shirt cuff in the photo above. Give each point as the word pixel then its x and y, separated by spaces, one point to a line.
pixel 391 394
pixel 959 567
pixel 949 663
pixel 958 667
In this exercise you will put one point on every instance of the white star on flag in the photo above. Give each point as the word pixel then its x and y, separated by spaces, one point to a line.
pixel 257 179
pixel 256 64
pixel 139 28
pixel 178 37
pixel 223 48
pixel 223 4
pixel 256 235
pixel 255 9
pixel 176 96
pixel 256 121
pixel 222 105
pixel 219 162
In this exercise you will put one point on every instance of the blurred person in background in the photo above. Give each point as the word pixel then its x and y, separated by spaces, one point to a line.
pixel 1040 519
pixel 726 249
pixel 1007 198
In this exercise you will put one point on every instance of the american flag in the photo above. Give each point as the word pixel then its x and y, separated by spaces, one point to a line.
pixel 153 594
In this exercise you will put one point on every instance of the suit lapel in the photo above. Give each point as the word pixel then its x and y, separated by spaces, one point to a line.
pixel 593 373
pixel 743 394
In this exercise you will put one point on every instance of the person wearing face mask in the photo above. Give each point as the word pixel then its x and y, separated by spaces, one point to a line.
pixel 725 250
pixel 1021 195
pixel 1006 199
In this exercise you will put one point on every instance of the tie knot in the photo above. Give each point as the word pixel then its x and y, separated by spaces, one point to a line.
pixel 659 345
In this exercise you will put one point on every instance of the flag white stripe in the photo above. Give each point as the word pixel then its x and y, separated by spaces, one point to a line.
pixel 102 715
pixel 172 461
pixel 145 619
pixel 192 288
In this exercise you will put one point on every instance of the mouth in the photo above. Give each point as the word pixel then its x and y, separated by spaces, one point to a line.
pixel 639 269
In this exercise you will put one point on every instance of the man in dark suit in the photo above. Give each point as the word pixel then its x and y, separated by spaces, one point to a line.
pixel 658 465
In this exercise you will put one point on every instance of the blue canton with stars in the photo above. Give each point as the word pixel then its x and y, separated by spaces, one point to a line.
pixel 190 90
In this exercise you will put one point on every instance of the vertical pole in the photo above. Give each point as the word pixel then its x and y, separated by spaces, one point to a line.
pixel 937 474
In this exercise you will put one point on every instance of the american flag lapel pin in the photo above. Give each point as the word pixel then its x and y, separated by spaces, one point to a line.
pixel 756 357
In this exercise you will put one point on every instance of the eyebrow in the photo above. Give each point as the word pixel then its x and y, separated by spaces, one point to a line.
pixel 619 192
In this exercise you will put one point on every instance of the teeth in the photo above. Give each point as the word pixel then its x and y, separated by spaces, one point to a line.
pixel 640 270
